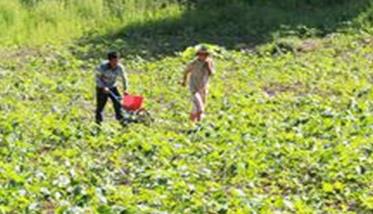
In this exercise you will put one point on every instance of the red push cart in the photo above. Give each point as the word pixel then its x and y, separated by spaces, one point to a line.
pixel 132 106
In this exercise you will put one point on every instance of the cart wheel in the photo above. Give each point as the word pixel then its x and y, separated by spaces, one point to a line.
pixel 143 116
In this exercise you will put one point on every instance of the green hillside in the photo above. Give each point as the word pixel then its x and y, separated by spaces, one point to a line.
pixel 289 126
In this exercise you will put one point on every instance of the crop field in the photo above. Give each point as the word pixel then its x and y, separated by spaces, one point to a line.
pixel 289 126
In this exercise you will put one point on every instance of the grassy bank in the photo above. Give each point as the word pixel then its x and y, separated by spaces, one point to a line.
pixel 40 22
pixel 58 21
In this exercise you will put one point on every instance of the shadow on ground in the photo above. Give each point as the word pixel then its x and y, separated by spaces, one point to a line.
pixel 234 24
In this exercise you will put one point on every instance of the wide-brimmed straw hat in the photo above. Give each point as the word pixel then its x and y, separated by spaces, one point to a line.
pixel 203 50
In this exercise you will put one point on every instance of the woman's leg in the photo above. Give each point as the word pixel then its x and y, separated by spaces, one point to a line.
pixel 203 95
pixel 198 107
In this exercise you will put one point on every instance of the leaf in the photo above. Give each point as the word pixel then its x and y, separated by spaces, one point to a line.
pixel 327 187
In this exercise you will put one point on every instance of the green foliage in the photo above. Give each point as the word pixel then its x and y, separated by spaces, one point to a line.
pixel 288 129
pixel 289 132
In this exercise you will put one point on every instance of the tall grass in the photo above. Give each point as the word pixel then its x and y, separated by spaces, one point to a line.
pixel 37 22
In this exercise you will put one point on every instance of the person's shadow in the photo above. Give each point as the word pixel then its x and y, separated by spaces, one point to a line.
pixel 237 24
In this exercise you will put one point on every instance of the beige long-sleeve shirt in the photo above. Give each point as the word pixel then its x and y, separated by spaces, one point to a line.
pixel 199 75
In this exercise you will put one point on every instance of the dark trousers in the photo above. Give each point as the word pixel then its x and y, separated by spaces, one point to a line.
pixel 102 98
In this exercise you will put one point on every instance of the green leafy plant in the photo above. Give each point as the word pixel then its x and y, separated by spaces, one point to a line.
pixel 288 126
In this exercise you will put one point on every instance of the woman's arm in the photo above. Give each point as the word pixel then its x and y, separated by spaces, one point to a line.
pixel 186 75
pixel 210 66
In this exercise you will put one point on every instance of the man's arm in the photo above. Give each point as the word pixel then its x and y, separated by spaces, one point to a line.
pixel 99 81
pixel 124 78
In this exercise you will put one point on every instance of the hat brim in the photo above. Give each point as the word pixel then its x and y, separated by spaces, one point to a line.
pixel 203 52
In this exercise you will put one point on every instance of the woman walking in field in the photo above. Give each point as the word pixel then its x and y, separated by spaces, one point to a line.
pixel 199 72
